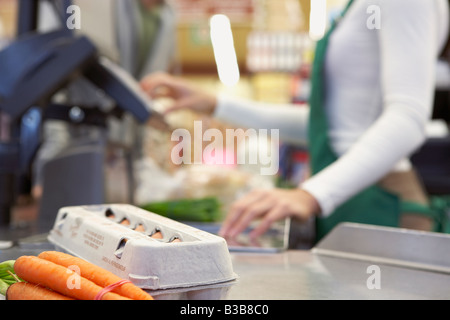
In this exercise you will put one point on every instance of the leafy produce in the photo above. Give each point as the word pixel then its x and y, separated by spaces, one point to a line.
pixel 195 210
pixel 3 287
pixel 59 276
pixel 7 275
pixel 60 279
pixel 98 275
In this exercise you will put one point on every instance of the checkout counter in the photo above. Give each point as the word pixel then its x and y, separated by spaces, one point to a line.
pixel 354 262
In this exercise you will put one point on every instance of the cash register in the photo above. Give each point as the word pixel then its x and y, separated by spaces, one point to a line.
pixel 34 68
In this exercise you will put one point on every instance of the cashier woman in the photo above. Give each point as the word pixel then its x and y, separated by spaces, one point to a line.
pixel 372 95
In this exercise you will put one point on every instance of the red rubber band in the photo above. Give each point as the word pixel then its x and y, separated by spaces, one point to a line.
pixel 109 288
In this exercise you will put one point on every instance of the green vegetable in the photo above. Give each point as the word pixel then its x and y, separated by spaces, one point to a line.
pixel 7 276
pixel 3 287
pixel 7 265
pixel 195 210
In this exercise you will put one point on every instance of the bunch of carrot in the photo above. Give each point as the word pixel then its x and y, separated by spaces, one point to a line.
pixel 55 275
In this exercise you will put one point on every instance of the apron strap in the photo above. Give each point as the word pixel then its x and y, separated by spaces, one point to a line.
pixel 438 210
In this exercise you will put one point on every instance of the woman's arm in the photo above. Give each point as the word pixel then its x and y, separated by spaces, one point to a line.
pixel 290 120
pixel 409 47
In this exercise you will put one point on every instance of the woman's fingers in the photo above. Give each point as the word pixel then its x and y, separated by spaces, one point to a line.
pixel 153 81
pixel 185 96
pixel 237 209
pixel 269 206
pixel 253 212
pixel 159 85
pixel 276 213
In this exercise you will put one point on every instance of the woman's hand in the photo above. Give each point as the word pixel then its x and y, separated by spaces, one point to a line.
pixel 185 96
pixel 270 206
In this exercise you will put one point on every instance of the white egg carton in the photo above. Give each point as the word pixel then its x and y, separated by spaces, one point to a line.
pixel 169 259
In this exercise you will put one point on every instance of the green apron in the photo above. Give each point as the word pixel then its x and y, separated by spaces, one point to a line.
pixel 373 205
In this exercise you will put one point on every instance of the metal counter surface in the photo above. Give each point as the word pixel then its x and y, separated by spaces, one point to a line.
pixel 409 265
pixel 300 275
pixel 336 268
pixel 303 275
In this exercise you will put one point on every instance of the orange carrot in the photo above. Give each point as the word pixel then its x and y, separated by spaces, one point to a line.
pixel 60 279
pixel 96 274
pixel 29 291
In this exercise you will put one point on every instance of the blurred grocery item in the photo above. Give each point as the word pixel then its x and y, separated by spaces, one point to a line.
pixel 269 51
pixel 225 184
pixel 195 210
pixel 54 275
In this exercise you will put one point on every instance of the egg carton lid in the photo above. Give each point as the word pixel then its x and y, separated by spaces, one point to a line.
pixel 107 235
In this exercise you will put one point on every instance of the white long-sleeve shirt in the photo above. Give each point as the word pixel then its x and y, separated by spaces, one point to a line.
pixel 379 95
